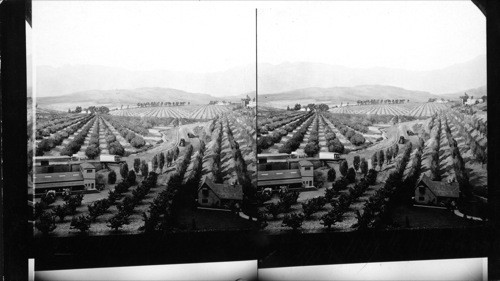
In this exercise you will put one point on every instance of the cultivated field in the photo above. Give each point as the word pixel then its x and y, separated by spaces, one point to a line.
pixel 407 109
pixel 188 111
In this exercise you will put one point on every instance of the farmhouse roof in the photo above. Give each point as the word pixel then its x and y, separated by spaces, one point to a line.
pixel 305 163
pixel 440 189
pixel 278 177
pixel 223 190
pixel 86 165
pixel 263 155
pixel 51 157
pixel 57 177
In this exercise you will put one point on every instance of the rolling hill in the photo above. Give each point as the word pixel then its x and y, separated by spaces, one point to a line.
pixel 475 92
pixel 125 97
pixel 336 95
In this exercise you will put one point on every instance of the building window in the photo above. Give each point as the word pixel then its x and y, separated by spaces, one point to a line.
pixel 421 198
pixel 89 171
pixel 204 192
pixel 421 189
pixel 204 201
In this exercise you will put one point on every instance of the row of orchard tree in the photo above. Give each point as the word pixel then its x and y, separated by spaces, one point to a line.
pixel 161 103
pixel 339 201
pixel 47 215
pixel 90 109
pixel 382 157
pixel 382 101
pixel 310 107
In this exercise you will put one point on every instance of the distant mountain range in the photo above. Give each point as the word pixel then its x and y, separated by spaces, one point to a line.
pixel 337 95
pixel 68 79
pixel 129 97
pixel 301 75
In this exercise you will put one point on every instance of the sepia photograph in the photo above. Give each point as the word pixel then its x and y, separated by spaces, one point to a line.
pixel 143 118
pixel 372 115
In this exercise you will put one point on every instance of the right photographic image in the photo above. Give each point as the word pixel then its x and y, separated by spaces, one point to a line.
pixel 371 115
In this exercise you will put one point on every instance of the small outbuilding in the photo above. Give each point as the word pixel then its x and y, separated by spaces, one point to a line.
pixel 219 195
pixel 429 192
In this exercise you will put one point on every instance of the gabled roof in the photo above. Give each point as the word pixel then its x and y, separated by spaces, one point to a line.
pixel 440 189
pixel 57 177
pixel 86 165
pixel 305 163
pixel 223 190
pixel 278 175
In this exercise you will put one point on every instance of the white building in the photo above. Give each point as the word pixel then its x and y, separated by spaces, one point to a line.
pixel 472 101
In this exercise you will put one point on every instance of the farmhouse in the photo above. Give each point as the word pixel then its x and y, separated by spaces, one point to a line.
pixel 59 177
pixel 430 192
pixel 212 194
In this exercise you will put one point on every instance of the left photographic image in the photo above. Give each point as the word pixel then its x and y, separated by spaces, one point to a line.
pixel 143 118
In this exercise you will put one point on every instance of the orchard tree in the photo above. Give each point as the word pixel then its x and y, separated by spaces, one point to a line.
pixel 310 149
pixel 92 151
pixel 161 160
pixel 332 217
pixel 168 158
pixel 155 162
pixel 323 107
pixel 112 177
pixel 355 162
pixel 293 221
pixel 46 223
pixel 364 166
pixel 351 175
pixel 124 170
pixel 380 159
pixel 297 107
pixel 374 160
pixel 331 175
pixel 117 221
pixel 60 212
pixel 274 209
pixel 357 139
pixel 371 177
pixel 137 164
pixel 131 177
pixel 144 168
pixel 395 150
pixel 388 154
pixel 176 153
pixel 81 223
pixel 343 168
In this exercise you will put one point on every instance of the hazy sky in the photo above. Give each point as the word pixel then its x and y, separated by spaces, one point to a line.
pixel 146 35
pixel 215 36
pixel 413 35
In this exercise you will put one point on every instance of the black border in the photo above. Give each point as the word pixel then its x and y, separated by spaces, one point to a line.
pixel 272 250
pixel 15 226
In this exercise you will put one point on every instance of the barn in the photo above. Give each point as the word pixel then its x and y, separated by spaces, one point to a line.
pixel 79 177
pixel 429 192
